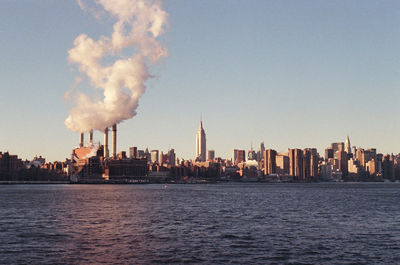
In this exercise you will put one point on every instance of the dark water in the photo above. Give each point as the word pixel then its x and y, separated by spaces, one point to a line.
pixel 212 224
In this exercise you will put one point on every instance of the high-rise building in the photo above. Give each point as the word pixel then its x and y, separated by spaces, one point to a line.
pixel 133 152
pixel 371 167
pixel 147 154
pixel 201 144
pixel 240 156
pixel 354 150
pixel 282 164
pixel 210 155
pixel 306 165
pixel 337 147
pixel 360 156
pixel 343 162
pixel 269 162
pixel 388 167
pixel 310 163
pixel 314 166
pixel 347 145
pixel 171 157
pixel 154 156
pixel 296 163
pixel 328 153
pixel 234 156
pixel 140 154
pixel 260 151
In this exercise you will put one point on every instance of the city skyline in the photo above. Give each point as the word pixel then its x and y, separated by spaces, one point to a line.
pixel 304 76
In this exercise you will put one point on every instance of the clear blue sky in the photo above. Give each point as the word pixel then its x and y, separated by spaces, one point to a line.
pixel 289 73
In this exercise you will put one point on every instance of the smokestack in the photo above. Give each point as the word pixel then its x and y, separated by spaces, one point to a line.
pixel 82 140
pixel 105 151
pixel 91 137
pixel 114 140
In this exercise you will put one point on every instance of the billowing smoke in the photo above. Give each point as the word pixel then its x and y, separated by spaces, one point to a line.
pixel 138 24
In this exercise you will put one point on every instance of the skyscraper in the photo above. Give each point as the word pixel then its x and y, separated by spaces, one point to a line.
pixel 201 144
pixel 154 156
pixel 260 151
pixel 296 163
pixel 269 162
pixel 347 145
pixel 171 157
pixel 343 162
pixel 211 155
pixel 241 156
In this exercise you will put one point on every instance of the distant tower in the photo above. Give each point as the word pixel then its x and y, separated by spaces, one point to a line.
pixel 347 145
pixel 262 147
pixel 201 143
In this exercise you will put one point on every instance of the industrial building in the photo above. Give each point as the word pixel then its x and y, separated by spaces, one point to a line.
pixel 93 162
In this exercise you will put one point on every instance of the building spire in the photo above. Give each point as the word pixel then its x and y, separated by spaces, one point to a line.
pixel 348 145
pixel 201 121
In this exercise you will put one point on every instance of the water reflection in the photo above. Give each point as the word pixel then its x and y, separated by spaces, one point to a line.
pixel 120 224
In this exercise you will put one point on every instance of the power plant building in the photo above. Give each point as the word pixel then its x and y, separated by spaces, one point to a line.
pixel 92 162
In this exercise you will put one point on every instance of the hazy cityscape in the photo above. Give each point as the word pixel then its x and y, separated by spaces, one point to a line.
pixel 92 162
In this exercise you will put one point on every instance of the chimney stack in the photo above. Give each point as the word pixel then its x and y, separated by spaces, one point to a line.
pixel 114 140
pixel 82 140
pixel 105 151
pixel 91 137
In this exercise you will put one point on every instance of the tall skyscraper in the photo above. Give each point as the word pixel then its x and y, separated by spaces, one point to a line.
pixel 310 164
pixel 337 147
pixel 296 163
pixel 154 156
pixel 241 156
pixel 306 164
pixel 329 153
pixel 234 156
pixel 269 162
pixel 211 155
pixel 201 144
pixel 282 164
pixel 347 145
pixel 171 157
pixel 133 152
pixel 343 162
pixel 260 151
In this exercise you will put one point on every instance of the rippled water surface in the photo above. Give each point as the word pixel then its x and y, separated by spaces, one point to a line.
pixel 340 223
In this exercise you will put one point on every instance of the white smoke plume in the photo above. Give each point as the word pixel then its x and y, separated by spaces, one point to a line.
pixel 138 24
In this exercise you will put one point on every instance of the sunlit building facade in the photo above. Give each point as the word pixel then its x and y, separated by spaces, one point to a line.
pixel 201 144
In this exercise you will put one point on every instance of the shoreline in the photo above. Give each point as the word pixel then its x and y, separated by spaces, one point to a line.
pixel 148 182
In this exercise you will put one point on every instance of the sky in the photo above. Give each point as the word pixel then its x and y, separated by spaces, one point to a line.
pixel 293 74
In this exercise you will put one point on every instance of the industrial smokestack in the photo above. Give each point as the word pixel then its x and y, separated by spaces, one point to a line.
pixel 91 137
pixel 105 151
pixel 114 140
pixel 82 140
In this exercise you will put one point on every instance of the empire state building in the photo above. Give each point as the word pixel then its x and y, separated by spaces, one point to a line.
pixel 201 144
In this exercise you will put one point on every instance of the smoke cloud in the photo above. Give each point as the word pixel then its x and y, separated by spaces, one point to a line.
pixel 138 24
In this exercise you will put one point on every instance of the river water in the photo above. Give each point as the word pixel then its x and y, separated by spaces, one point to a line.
pixel 325 223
